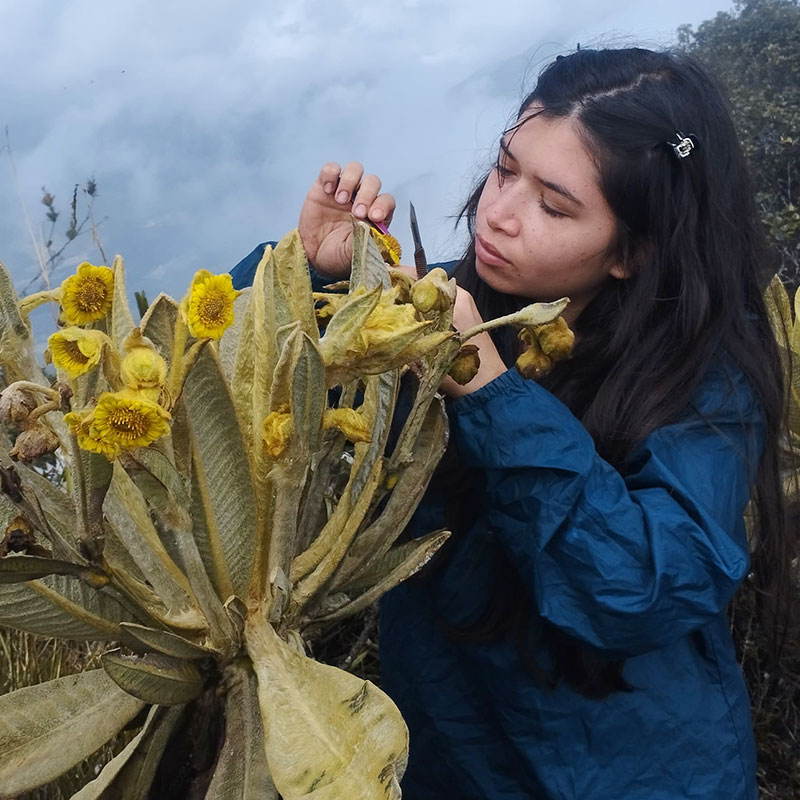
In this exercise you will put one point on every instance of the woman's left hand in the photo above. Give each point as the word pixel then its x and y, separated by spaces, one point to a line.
pixel 466 316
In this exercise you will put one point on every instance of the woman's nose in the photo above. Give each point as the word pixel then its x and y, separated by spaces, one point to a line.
pixel 502 213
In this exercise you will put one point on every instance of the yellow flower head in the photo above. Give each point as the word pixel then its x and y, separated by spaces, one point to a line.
pixel 75 350
pixel 208 307
pixel 143 368
pixel 277 431
pixel 86 296
pixel 80 423
pixel 353 424
pixel 127 420
pixel 388 245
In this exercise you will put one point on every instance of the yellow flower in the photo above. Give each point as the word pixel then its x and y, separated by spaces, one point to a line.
pixel 277 431
pixel 128 420
pixel 353 424
pixel 143 368
pixel 86 296
pixel 388 245
pixel 208 307
pixel 80 423
pixel 75 350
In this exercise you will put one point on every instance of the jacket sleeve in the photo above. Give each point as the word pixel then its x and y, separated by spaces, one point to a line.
pixel 626 563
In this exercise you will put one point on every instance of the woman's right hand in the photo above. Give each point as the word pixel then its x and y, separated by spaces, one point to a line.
pixel 326 219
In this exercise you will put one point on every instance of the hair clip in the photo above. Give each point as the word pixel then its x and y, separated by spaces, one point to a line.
pixel 684 145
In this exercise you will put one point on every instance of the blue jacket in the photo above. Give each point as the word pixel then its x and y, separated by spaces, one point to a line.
pixel 640 566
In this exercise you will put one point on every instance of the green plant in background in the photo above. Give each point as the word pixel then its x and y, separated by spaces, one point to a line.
pixel 755 52
pixel 229 491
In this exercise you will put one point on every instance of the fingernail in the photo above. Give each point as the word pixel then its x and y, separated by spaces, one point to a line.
pixel 328 188
pixel 360 210
pixel 342 197
pixel 377 214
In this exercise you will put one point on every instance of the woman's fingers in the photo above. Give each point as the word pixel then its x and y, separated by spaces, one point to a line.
pixel 329 177
pixel 382 209
pixel 349 181
pixel 365 195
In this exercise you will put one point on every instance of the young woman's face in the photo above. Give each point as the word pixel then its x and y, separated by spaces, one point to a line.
pixel 543 228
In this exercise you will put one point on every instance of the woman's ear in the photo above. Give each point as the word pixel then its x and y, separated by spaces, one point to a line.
pixel 636 259
pixel 620 271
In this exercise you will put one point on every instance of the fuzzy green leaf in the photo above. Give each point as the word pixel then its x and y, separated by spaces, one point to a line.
pixel 16 568
pixel 328 734
pixel 223 480
pixel 121 318
pixel 61 607
pixel 242 772
pixel 367 267
pixel 398 564
pixel 154 678
pixel 47 729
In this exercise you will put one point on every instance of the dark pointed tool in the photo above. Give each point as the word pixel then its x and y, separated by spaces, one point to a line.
pixel 419 251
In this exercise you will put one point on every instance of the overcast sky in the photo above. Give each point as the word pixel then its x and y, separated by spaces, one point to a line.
pixel 203 123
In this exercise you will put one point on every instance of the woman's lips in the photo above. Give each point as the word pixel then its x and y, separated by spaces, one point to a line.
pixel 488 254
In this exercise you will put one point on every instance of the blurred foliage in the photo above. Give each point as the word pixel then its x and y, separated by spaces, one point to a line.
pixel 755 52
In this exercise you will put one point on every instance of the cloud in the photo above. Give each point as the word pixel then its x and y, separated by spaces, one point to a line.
pixel 204 123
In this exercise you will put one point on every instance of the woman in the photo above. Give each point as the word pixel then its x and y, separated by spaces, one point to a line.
pixel 572 641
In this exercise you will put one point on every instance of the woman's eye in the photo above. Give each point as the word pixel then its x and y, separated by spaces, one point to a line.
pixel 551 212
pixel 502 170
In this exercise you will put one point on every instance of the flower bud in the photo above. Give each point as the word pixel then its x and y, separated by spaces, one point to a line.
pixel 434 292
pixel 556 339
pixel 465 365
pixel 533 363
pixel 143 368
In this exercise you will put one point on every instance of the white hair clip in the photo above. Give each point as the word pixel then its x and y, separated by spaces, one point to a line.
pixel 684 145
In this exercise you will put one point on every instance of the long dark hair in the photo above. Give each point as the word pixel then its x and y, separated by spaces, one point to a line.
pixel 688 233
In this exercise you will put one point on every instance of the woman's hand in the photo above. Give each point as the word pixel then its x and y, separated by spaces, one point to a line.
pixel 466 316
pixel 326 219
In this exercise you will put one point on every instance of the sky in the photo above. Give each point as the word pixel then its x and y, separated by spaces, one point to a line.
pixel 204 123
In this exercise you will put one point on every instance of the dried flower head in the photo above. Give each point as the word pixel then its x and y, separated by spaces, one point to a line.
pixel 36 441
pixel 87 295
pixel 16 404
pixel 76 351
pixel 277 431
pixel 208 307
pixel 353 424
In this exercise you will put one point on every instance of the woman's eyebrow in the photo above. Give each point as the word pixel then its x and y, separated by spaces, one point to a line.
pixel 556 187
